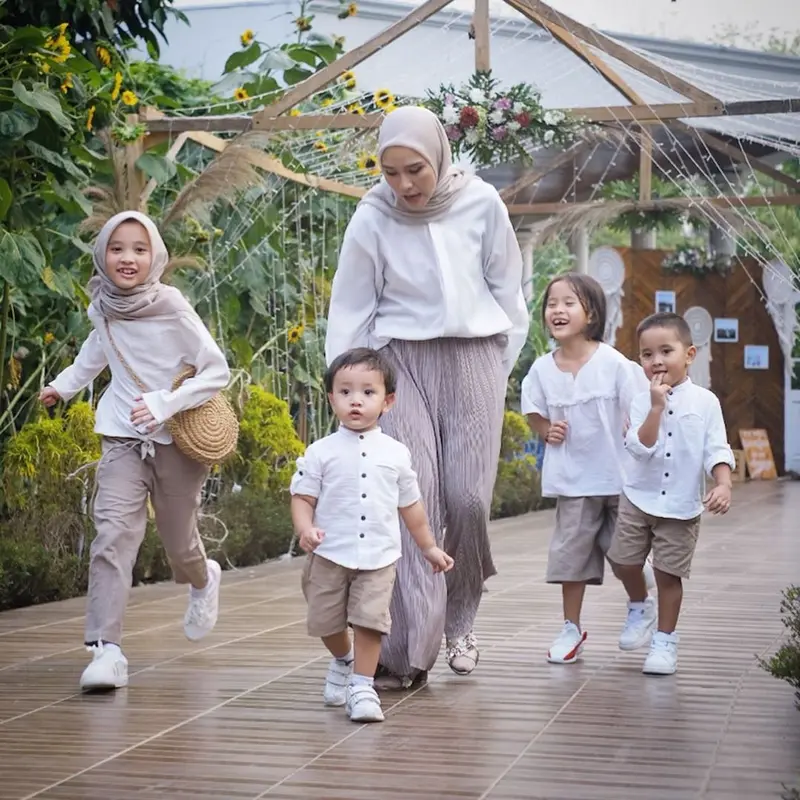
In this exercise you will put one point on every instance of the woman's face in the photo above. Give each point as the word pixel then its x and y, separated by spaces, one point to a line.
pixel 411 177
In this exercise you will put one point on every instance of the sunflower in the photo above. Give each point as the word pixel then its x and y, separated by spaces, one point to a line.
pixel 90 118
pixel 117 86
pixel 328 101
pixel 321 146
pixel 103 56
pixel 295 112
pixel 240 94
pixel 348 79
pixel 61 47
pixel 303 24
pixel 247 38
pixel 129 98
pixel 356 108
pixel 294 334
pixel 66 84
pixel 383 98
pixel 352 9
pixel 338 41
pixel 369 164
pixel 49 338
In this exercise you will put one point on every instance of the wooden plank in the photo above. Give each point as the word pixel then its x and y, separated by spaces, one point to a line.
pixel 522 209
pixel 134 178
pixel 171 155
pixel 645 165
pixel 721 146
pixel 227 124
pixel 534 176
pixel 614 48
pixel 273 165
pixel 349 60
pixel 480 23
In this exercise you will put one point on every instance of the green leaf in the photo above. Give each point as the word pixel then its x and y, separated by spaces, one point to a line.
pixel 42 99
pixel 21 257
pixel 302 53
pixel 158 168
pixel 56 160
pixel 6 198
pixel 242 58
pixel 17 122
pixel 277 59
pixel 59 281
pixel 295 75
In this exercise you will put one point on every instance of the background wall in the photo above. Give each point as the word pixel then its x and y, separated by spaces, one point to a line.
pixel 750 398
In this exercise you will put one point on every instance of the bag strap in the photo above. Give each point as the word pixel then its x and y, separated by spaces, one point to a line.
pixel 124 363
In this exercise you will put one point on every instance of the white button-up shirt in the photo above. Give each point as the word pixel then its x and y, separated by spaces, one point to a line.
pixel 360 480
pixel 667 479
pixel 591 461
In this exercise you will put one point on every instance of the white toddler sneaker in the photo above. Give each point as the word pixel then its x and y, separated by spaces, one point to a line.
pixel 335 693
pixel 639 625
pixel 363 703
pixel 567 646
pixel 201 616
pixel 107 671
pixel 663 656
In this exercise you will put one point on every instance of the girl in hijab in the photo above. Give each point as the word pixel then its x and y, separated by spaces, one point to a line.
pixel 146 333
pixel 430 272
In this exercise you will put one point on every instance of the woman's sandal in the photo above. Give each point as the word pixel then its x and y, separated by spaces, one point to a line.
pixel 462 654
pixel 385 681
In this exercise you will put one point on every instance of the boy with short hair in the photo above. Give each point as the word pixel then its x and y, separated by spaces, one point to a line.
pixel 346 493
pixel 677 433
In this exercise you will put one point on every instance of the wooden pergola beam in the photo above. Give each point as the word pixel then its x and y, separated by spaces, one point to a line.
pixel 319 80
pixel 547 209
pixel 613 48
pixel 736 154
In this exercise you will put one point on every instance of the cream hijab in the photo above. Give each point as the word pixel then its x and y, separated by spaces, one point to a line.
pixel 419 130
pixel 151 298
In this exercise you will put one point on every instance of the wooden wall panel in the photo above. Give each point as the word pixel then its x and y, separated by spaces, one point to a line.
pixel 749 398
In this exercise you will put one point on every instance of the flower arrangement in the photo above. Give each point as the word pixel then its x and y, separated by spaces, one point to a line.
pixel 693 260
pixel 493 126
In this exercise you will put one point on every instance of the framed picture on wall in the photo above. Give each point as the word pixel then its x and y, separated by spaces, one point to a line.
pixel 665 302
pixel 726 331
pixel 756 356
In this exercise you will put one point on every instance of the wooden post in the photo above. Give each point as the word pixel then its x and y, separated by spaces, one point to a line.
pixel 481 24
pixel 645 165
pixel 134 179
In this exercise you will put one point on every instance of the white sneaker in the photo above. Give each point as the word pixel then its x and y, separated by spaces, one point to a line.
pixel 639 625
pixel 335 692
pixel 201 616
pixel 363 703
pixel 108 669
pixel 649 576
pixel 663 656
pixel 568 646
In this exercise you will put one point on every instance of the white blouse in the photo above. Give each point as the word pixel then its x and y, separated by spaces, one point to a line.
pixel 667 478
pixel 459 277
pixel 360 480
pixel 158 350
pixel 591 461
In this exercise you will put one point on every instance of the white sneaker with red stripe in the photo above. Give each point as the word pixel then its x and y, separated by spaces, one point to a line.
pixel 567 646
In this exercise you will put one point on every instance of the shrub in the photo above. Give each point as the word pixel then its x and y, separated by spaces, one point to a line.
pixel 785 664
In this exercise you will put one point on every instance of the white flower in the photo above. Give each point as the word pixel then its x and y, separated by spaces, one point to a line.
pixel 473 136
pixel 549 118
pixel 449 115
pixel 496 117
pixel 549 136
pixel 477 96
pixel 513 126
pixel 518 108
pixel 558 117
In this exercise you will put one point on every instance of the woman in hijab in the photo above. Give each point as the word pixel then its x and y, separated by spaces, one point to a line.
pixel 430 273
pixel 146 333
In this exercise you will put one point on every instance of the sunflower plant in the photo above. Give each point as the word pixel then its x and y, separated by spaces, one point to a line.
pixel 491 125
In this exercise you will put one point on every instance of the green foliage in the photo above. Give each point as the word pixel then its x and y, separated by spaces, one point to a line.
pixel 119 22
pixel 785 664
pixel 628 192
pixel 516 434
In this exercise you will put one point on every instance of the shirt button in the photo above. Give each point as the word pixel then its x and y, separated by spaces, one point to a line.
pixel 663 492
pixel 363 474
pixel 360 535
pixel 363 518
pixel 363 496
pixel 364 454
pixel 362 436
pixel 300 472
pixel 668 455
pixel 670 433
pixel 666 474
pixel 670 412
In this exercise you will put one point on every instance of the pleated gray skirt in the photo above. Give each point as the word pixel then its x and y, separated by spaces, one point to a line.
pixel 449 413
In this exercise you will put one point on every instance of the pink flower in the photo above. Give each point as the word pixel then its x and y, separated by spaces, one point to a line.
pixel 524 119
pixel 500 133
pixel 453 133
pixel 503 104
pixel 449 99
pixel 469 117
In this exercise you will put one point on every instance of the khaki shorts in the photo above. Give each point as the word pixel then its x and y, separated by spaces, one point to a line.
pixel 672 540
pixel 338 597
pixel 584 528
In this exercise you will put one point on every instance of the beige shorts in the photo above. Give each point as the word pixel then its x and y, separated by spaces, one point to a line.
pixel 672 540
pixel 584 527
pixel 338 597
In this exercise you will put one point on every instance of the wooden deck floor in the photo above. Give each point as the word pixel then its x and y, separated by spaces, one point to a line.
pixel 239 715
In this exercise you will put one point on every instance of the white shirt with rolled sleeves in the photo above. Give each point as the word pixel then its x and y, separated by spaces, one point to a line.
pixel 158 349
pixel 458 277
pixel 667 479
pixel 360 481
pixel 591 461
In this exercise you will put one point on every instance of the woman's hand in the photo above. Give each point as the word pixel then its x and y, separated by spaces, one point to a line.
pixel 141 416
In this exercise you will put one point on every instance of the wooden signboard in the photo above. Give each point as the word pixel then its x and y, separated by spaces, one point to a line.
pixel 758 454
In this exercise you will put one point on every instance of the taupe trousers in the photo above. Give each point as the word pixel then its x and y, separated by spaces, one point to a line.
pixel 129 471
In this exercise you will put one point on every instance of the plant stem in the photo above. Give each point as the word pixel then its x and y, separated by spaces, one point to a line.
pixel 4 331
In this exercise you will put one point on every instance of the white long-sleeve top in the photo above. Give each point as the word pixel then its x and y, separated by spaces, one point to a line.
pixel 360 480
pixel 667 478
pixel 591 461
pixel 158 350
pixel 458 277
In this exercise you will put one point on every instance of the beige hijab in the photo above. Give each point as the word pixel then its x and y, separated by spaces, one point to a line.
pixel 151 298
pixel 419 130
